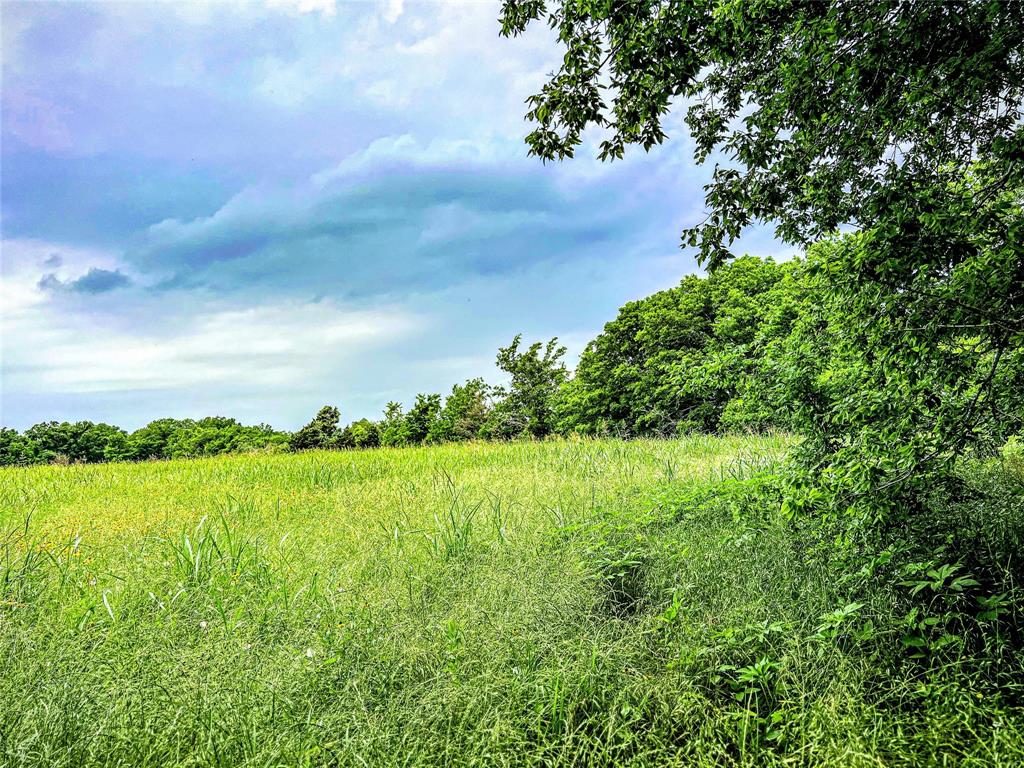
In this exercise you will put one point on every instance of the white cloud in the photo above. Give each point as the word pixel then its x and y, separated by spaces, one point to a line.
pixel 481 150
pixel 393 10
pixel 324 7
pixel 261 347
pixel 62 344
pixel 269 347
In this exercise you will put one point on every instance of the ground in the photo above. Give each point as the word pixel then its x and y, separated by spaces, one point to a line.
pixel 547 603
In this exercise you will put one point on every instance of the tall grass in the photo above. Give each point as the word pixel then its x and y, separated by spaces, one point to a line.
pixel 562 603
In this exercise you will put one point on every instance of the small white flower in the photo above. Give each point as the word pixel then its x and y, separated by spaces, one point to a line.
pixel 309 653
pixel 202 624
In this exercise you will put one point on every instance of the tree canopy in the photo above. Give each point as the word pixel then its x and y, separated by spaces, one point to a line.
pixel 679 360
pixel 818 114
pixel 898 120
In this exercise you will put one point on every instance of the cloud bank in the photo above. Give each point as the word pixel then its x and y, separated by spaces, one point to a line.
pixel 252 210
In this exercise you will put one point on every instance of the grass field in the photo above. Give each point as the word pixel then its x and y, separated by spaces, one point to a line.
pixel 481 604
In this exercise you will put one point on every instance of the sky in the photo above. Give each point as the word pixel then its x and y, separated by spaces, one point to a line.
pixel 256 209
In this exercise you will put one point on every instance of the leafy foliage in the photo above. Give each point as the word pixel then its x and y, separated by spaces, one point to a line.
pixel 526 406
pixel 890 387
pixel 360 434
pixel 901 121
pixel 15 449
pixel 217 435
pixel 82 441
pixel 823 113
pixel 464 413
pixel 422 417
pixel 151 441
pixel 321 432
pixel 682 359
pixel 392 427
pixel 87 443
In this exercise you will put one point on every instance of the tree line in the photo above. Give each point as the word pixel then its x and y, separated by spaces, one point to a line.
pixel 86 442
pixel 681 360
pixel 755 345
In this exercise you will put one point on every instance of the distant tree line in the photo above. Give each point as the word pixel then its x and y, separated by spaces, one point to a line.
pixel 473 410
pixel 688 359
pixel 749 347
pixel 86 442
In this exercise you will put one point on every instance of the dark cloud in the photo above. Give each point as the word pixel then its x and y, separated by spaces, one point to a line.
pixel 53 261
pixel 49 282
pixel 99 281
pixel 94 281
pixel 389 224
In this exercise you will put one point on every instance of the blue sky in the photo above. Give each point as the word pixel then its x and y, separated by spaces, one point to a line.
pixel 252 209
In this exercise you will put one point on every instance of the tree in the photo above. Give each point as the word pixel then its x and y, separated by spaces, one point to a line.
pixel 215 435
pixel 678 360
pixel 320 433
pixel 81 441
pixel 823 110
pixel 886 390
pixel 421 418
pixel 392 427
pixel 52 440
pixel 86 442
pixel 150 441
pixel 526 408
pixel 360 434
pixel 99 442
pixel 464 413
pixel 900 120
pixel 15 449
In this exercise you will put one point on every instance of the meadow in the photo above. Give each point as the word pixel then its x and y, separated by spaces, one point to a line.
pixel 583 602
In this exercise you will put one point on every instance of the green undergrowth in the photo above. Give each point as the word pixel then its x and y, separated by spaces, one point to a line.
pixel 563 603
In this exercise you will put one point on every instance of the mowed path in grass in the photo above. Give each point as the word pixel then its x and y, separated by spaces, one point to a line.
pixel 315 608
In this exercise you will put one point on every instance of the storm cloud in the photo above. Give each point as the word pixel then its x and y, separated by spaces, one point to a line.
pixel 195 194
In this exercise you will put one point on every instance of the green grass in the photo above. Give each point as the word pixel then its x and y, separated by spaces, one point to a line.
pixel 562 603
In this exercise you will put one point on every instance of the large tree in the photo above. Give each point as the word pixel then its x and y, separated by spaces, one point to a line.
pixel 899 120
